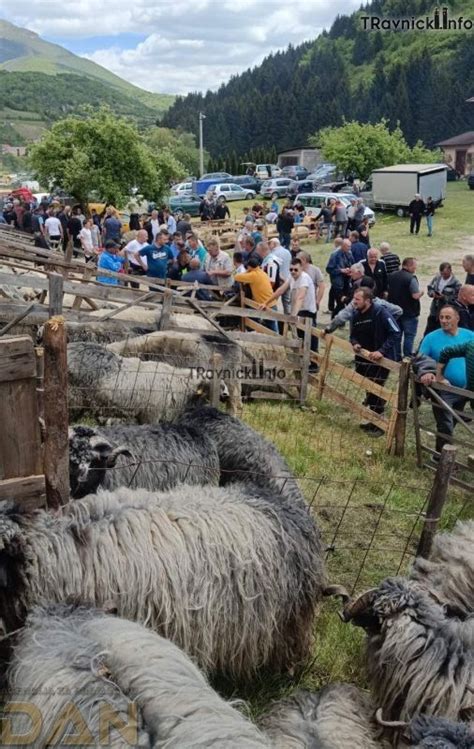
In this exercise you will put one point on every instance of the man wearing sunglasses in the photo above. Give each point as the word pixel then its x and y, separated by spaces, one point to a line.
pixel 303 298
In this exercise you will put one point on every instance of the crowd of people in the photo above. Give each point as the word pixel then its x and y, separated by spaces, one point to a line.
pixel 370 288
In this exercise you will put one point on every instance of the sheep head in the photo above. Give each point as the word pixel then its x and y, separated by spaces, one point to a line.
pixel 90 455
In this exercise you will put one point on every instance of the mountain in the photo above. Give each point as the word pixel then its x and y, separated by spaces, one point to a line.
pixel 41 82
pixel 22 51
pixel 420 79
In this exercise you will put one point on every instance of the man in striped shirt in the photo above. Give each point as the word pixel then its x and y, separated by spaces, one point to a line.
pixel 392 261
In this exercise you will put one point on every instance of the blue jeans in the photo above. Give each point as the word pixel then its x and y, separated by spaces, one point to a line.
pixel 408 326
pixel 429 221
pixel 271 324
pixel 329 232
pixel 285 240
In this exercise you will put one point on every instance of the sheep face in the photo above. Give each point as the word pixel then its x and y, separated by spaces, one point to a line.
pixel 90 455
pixel 437 733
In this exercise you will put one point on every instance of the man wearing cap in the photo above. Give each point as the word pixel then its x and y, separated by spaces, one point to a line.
pixel 416 210
pixel 110 259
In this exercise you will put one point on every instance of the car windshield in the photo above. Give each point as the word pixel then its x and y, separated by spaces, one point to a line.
pixel 267 183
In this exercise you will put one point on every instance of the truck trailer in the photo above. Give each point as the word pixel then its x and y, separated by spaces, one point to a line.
pixel 394 187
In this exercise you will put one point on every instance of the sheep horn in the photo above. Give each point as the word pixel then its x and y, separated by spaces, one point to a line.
pixel 337 590
pixel 358 605
pixel 389 723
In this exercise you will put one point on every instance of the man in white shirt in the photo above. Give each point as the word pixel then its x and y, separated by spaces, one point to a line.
pixel 284 258
pixel 54 229
pixel 85 235
pixel 154 225
pixel 303 299
pixel 134 246
pixel 170 221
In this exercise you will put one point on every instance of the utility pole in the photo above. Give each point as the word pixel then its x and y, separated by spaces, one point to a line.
pixel 201 144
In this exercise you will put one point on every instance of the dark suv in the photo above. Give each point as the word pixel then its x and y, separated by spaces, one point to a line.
pixel 470 181
pixel 294 172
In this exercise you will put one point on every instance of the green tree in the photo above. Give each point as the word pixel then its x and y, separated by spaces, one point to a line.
pixel 102 153
pixel 180 144
pixel 358 148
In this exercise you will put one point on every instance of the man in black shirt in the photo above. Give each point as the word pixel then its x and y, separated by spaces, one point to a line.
pixel 221 210
pixel 375 268
pixel 416 210
pixel 464 306
pixel 74 227
pixel 284 225
pixel 375 334
pixel 183 225
pixel 468 265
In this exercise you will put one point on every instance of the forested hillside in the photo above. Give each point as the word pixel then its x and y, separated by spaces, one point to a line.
pixel 420 79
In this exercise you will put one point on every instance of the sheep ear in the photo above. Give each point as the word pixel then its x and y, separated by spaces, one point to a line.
pixel 112 457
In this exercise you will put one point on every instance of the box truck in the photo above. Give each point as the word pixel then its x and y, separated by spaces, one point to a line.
pixel 394 187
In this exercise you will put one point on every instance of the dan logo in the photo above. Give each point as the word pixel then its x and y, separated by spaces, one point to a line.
pixel 68 728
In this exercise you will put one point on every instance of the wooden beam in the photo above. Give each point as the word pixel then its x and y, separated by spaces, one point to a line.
pixel 401 411
pixel 56 282
pixel 165 317
pixel 306 359
pixel 16 360
pixel 18 318
pixel 56 445
pixel 356 408
pixel 437 499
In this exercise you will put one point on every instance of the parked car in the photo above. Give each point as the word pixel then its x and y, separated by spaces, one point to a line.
pixel 261 171
pixel 185 203
pixel 224 176
pixel 294 172
pixel 295 187
pixel 312 202
pixel 231 191
pixel 182 188
pixel 247 181
pixel 470 181
pixel 341 186
pixel 275 188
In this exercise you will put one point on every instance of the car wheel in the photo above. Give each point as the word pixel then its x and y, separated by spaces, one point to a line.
pixel 274 196
pixel 249 196
pixel 400 212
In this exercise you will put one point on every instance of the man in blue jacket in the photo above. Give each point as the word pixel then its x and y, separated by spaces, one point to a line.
pixel 375 333
pixel 338 267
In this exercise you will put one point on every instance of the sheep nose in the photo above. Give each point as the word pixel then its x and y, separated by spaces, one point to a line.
pixel 82 473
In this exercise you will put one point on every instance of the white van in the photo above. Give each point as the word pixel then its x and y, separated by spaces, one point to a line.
pixel 265 171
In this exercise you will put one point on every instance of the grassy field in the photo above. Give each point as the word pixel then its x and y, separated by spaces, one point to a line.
pixel 366 503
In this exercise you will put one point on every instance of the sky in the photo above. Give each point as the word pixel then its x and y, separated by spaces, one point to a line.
pixel 177 46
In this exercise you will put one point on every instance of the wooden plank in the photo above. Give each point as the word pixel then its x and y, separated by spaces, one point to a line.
pixel 55 291
pixel 344 345
pixel 20 443
pixel 259 328
pixel 17 319
pixel 356 408
pixel 280 316
pixel 437 499
pixel 21 488
pixel 113 312
pixel 17 359
pixel 306 359
pixel 400 413
pixel 324 368
pixel 56 444
pixel 165 317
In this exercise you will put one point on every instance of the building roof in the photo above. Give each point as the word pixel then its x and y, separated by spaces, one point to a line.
pixel 297 148
pixel 465 139
pixel 411 168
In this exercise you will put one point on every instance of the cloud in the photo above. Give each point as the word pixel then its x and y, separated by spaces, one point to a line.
pixel 191 44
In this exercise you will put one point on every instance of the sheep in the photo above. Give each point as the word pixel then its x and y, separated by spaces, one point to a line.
pixel 227 574
pixel 448 574
pixel 419 659
pixel 426 732
pixel 155 457
pixel 104 332
pixel 337 717
pixel 147 391
pixel 151 318
pixel 87 665
pixel 244 455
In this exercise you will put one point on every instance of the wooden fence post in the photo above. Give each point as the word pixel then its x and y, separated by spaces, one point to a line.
pixel 305 358
pixel 21 479
pixel 402 407
pixel 164 321
pixel 437 499
pixel 56 285
pixel 324 366
pixel 56 446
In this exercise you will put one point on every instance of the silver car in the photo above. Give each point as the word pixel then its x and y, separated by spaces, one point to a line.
pixel 230 191
pixel 275 188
